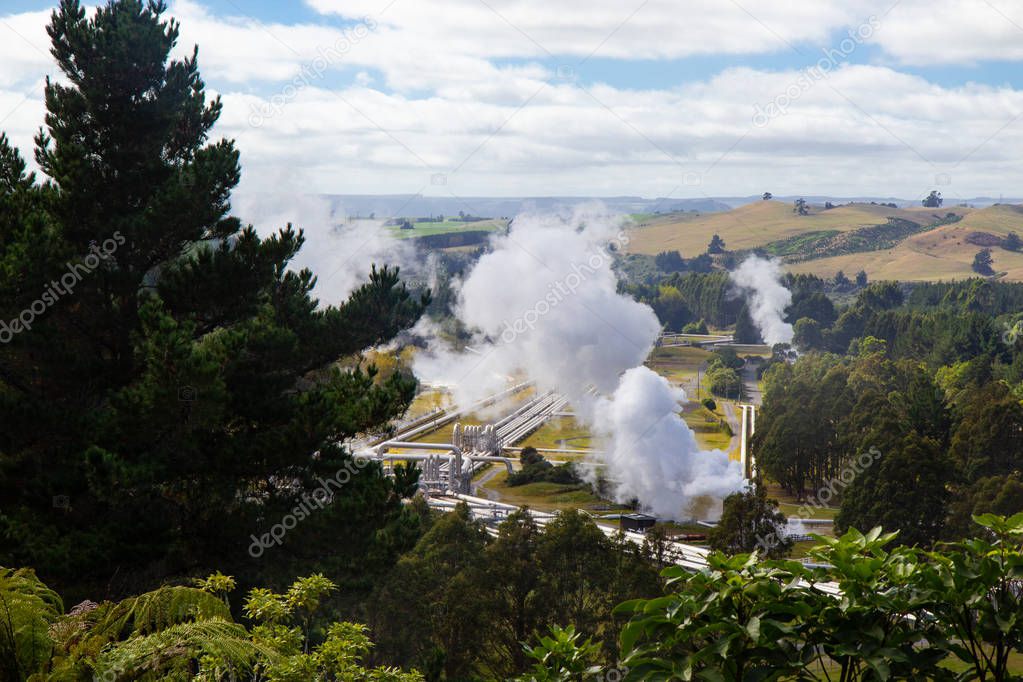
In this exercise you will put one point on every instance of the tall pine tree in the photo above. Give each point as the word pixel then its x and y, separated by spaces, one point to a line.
pixel 168 388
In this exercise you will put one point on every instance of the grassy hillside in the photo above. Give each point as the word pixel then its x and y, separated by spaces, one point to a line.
pixel 760 223
pixel 942 253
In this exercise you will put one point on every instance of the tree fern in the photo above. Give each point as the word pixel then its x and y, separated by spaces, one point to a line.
pixel 209 649
pixel 159 609
pixel 27 610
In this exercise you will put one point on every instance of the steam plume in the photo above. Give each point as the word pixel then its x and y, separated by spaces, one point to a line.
pixel 760 280
pixel 544 304
pixel 339 252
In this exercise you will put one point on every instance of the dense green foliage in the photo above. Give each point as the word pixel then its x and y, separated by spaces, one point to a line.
pixel 906 411
pixel 750 521
pixel 536 469
pixel 471 601
pixel 168 386
pixel 683 298
pixel 181 633
pixel 865 612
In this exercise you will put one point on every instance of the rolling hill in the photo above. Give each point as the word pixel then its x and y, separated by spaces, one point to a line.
pixel 761 222
pixel 807 243
pixel 941 253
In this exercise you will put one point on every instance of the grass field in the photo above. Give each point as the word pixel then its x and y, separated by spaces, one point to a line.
pixel 547 496
pixel 942 253
pixel 446 227
pixel 560 432
pixel 680 365
pixel 759 223
pixel 427 401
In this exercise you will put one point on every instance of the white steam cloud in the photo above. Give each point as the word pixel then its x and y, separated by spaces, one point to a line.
pixel 543 305
pixel 340 253
pixel 760 280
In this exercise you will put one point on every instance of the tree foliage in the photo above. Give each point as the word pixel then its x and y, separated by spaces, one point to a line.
pixel 168 387
pixel 181 633
pixel 473 601
pixel 750 521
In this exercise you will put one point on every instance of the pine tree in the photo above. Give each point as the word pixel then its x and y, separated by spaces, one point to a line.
pixel 168 387
pixel 745 330
pixel 750 521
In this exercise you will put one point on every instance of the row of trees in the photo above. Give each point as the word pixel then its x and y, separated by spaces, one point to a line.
pixel 681 298
pixel 916 423
pixel 865 611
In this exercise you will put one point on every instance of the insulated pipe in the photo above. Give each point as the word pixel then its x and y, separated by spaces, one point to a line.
pixel 529 404
pixel 448 456
pixel 443 419
pixel 533 420
pixel 743 456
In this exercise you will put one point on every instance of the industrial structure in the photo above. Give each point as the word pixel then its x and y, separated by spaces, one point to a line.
pixel 746 458
pixel 450 467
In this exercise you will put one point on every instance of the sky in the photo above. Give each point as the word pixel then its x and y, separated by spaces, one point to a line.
pixel 653 98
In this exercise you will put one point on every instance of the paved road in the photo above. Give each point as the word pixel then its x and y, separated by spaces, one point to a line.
pixel 480 485
pixel 749 384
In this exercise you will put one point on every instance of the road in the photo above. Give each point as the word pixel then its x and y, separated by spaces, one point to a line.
pixel 479 486
pixel 749 384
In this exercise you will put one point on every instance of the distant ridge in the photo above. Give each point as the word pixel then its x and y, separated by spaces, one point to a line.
pixel 407 205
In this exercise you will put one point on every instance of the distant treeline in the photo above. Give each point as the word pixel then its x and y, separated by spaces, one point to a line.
pixel 449 239
pixel 682 298
pixel 910 397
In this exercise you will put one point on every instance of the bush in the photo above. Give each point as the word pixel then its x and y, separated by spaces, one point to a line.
pixel 724 381
pixel 536 469
pixel 529 455
pixel 726 357
pixel 695 327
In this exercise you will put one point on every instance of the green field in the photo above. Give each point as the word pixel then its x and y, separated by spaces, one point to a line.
pixel 546 496
pixel 679 365
pixel 446 227
pixel 708 431
pixel 560 432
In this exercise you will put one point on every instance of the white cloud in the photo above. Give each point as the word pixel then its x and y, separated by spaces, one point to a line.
pixel 924 32
pixel 431 91
pixel 865 129
pixel 24 47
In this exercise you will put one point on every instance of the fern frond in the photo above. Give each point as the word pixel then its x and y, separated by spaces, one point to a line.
pixel 28 608
pixel 205 649
pixel 159 609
